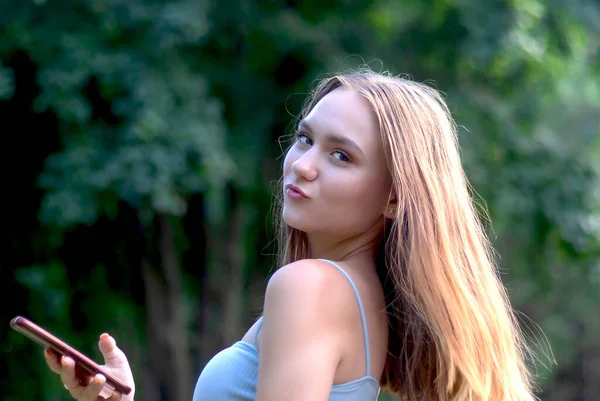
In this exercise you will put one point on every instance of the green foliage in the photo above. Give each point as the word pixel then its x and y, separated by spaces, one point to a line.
pixel 174 109
pixel 6 82
pixel 48 289
pixel 137 122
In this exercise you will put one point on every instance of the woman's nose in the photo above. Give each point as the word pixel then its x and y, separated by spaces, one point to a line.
pixel 306 165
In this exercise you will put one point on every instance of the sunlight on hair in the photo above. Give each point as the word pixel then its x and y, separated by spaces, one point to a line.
pixel 453 334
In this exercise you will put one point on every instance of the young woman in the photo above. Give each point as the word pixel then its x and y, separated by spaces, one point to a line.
pixel 386 279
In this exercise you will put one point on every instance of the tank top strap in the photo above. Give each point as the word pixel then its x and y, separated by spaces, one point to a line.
pixel 258 326
pixel 363 317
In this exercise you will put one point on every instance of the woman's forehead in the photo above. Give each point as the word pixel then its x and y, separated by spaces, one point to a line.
pixel 345 112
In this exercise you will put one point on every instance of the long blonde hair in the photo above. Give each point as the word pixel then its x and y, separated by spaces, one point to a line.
pixel 452 333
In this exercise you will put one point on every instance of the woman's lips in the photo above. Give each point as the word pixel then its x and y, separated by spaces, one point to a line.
pixel 294 192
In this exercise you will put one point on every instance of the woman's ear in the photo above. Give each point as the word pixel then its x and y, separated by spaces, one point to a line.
pixel 391 209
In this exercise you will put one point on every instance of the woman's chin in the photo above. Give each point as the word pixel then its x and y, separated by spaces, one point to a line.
pixel 295 222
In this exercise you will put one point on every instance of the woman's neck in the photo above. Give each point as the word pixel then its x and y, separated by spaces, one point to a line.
pixel 325 246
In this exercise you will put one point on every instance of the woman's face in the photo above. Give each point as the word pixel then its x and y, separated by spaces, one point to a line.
pixel 337 169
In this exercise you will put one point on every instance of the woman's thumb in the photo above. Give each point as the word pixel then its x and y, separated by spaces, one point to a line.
pixel 108 347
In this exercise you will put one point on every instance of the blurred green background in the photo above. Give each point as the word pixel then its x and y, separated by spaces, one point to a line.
pixel 142 143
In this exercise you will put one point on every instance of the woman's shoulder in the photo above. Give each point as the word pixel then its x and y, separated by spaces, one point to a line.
pixel 309 271
pixel 312 283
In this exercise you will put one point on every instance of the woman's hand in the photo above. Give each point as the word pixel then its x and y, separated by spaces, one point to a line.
pixel 84 387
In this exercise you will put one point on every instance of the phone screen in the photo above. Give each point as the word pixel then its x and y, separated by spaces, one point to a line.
pixel 48 340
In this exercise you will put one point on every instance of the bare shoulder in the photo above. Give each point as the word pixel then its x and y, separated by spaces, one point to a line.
pixel 303 322
pixel 311 283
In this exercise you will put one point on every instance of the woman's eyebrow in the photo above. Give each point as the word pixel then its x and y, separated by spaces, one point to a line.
pixel 334 138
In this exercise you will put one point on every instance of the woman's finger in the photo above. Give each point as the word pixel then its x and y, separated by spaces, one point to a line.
pixel 68 377
pixel 115 396
pixel 53 360
pixel 92 391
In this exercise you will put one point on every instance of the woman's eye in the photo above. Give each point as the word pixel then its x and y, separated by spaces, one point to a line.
pixel 302 138
pixel 341 157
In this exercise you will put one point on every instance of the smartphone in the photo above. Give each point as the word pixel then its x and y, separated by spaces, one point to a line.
pixel 47 340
